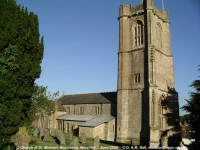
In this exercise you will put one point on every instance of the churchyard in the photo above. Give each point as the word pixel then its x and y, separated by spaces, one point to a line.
pixel 56 140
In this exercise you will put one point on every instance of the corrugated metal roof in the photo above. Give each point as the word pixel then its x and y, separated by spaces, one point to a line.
pixel 88 120
pixel 93 98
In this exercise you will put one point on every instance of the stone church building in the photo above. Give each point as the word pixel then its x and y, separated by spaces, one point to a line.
pixel 139 111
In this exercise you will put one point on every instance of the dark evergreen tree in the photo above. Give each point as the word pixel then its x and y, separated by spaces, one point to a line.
pixel 21 53
pixel 193 107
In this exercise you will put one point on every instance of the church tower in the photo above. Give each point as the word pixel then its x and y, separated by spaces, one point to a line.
pixel 146 93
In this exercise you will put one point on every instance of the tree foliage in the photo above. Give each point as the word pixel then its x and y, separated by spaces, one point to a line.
pixel 21 53
pixel 43 102
pixel 193 107
pixel 184 118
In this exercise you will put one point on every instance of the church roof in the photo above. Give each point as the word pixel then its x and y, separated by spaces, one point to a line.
pixel 87 120
pixel 73 117
pixel 97 121
pixel 92 98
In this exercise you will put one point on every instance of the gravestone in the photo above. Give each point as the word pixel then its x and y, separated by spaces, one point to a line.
pixel 70 136
pixel 83 138
pixel 41 133
pixel 58 135
pixel 96 142
pixel 46 135
pixel 71 143
pixel 21 138
pixel 53 133
pixel 62 138
pixel 74 144
pixel 35 132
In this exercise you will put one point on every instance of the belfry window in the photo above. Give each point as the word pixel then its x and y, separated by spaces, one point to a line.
pixel 137 78
pixel 138 33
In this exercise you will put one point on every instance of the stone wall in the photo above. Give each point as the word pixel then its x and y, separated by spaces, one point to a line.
pixel 100 131
pixel 90 109
pixel 105 131
pixel 53 120
pixel 111 130
pixel 89 131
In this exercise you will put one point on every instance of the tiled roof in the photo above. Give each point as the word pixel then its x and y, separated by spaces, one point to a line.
pixel 97 121
pixel 93 98
pixel 88 120
pixel 76 117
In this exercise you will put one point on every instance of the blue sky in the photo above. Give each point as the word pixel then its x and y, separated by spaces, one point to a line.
pixel 81 43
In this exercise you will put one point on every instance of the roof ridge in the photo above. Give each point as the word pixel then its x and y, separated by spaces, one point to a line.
pixel 87 93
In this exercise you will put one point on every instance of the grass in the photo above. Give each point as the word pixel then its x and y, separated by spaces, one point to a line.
pixel 52 144
pixel 35 141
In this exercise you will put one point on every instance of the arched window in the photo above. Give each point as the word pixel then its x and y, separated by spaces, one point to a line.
pixel 158 36
pixel 138 31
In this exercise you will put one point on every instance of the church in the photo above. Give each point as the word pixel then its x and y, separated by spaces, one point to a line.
pixel 144 109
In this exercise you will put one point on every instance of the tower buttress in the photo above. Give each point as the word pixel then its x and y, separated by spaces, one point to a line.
pixel 123 73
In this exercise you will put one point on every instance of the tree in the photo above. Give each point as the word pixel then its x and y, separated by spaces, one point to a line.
pixel 21 53
pixel 43 103
pixel 184 118
pixel 193 107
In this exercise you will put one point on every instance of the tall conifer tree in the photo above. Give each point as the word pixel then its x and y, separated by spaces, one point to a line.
pixel 193 107
pixel 21 53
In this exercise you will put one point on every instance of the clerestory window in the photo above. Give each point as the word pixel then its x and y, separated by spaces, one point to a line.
pixel 81 110
pixel 96 109
pixel 68 110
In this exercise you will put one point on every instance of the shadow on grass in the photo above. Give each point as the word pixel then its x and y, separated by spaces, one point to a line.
pixel 111 143
pixel 56 140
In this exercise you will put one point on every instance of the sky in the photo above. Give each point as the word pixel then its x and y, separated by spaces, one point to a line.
pixel 81 43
